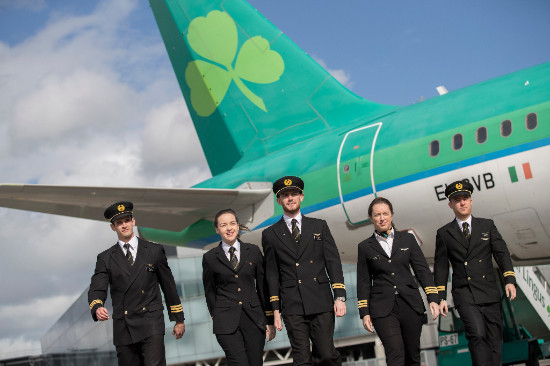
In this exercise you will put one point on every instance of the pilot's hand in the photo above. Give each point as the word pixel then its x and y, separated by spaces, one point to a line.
pixel 443 309
pixel 277 320
pixel 434 309
pixel 102 314
pixel 339 308
pixel 270 332
pixel 179 329
pixel 367 323
pixel 510 291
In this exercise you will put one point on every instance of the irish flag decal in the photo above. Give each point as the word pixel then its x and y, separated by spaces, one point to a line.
pixel 525 167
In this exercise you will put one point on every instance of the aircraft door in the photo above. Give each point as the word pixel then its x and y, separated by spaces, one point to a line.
pixel 355 172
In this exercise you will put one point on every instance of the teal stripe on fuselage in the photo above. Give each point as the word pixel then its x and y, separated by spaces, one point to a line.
pixel 397 182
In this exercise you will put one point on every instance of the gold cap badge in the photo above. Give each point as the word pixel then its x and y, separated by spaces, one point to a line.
pixel 459 186
pixel 288 182
pixel 121 208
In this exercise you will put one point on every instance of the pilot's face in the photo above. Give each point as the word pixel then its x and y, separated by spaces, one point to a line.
pixel 290 200
pixel 381 217
pixel 228 228
pixel 124 228
pixel 461 206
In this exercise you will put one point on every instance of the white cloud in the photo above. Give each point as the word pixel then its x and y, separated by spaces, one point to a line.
pixel 87 100
pixel 339 74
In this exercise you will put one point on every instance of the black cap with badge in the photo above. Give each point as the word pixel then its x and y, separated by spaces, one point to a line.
pixel 459 188
pixel 119 210
pixel 288 182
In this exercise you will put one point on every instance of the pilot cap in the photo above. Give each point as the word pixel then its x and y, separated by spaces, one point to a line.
pixel 288 182
pixel 119 210
pixel 459 188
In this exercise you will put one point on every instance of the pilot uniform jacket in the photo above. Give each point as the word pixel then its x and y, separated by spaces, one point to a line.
pixel 473 280
pixel 230 291
pixel 300 275
pixel 379 276
pixel 135 293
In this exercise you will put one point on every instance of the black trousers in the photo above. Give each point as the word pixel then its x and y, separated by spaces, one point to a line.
pixel 483 327
pixel 148 352
pixel 400 334
pixel 320 329
pixel 245 346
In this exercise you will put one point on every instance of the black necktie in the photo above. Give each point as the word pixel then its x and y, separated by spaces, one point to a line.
pixel 466 230
pixel 233 258
pixel 129 254
pixel 295 231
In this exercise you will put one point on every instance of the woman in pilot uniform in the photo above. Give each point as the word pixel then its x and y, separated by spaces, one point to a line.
pixel 387 293
pixel 236 290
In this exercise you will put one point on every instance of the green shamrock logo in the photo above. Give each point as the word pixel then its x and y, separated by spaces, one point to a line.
pixel 548 310
pixel 215 38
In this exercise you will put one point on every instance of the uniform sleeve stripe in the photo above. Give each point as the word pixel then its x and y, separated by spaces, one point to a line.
pixel 93 303
pixel 362 304
pixel 176 308
pixel 268 313
pixel 338 285
pixel 509 273
pixel 273 298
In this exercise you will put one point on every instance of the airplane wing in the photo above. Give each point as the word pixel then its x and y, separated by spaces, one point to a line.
pixel 158 208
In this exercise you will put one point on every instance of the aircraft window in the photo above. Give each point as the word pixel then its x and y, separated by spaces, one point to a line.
pixel 458 141
pixel 531 121
pixel 434 148
pixel 481 135
pixel 346 168
pixel 506 128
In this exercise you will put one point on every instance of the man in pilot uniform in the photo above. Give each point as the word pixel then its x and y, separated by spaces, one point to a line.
pixel 134 269
pixel 302 267
pixel 469 243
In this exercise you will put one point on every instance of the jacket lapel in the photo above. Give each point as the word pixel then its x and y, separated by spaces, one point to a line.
pixel 220 254
pixel 456 233
pixel 142 257
pixel 376 245
pixel 245 251
pixel 475 235
pixel 281 230
pixel 117 255
pixel 306 235
pixel 396 242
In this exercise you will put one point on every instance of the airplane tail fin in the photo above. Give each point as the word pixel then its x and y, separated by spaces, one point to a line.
pixel 249 89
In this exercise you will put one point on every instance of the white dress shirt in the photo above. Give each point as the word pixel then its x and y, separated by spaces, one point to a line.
pixel 133 246
pixel 288 221
pixel 468 220
pixel 386 243
pixel 237 247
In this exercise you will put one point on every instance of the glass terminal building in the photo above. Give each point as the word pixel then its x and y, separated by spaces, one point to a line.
pixel 75 339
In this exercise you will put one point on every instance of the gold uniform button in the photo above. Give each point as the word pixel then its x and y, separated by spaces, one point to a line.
pixel 299 281
pixel 144 308
pixel 469 278
pixel 481 260
pixel 239 289
pixel 240 302
pixel 297 264
pixel 389 260
pixel 142 291
pixel 393 274
pixel 394 286
pixel 314 278
pixel 483 276
pixel 311 262
pixel 465 263
pixel 125 312
pixel 236 276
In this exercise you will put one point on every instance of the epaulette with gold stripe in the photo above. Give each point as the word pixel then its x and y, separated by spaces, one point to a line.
pixel 430 290
pixel 93 303
pixel 509 273
pixel 338 285
pixel 176 308
pixel 440 288
pixel 362 304
pixel 273 298
pixel 269 313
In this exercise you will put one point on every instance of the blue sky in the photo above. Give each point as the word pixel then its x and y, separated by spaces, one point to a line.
pixel 79 80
